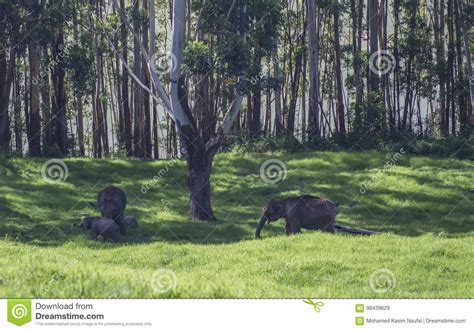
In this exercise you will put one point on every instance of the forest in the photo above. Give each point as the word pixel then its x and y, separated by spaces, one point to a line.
pixel 91 77
pixel 369 103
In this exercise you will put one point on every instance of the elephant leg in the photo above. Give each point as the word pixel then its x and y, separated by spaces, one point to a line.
pixel 287 229
pixel 330 228
pixel 92 234
pixel 295 228
pixel 121 223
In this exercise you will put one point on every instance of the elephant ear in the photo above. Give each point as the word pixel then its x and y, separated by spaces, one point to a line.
pixel 272 207
pixel 279 210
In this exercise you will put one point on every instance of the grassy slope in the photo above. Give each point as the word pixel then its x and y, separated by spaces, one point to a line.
pixel 422 204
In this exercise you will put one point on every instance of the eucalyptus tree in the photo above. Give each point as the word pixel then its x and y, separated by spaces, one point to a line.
pixel 313 30
pixel 463 31
pixel 79 65
pixel 337 9
pixel 34 9
pixel 241 27
pixel 231 23
pixel 10 17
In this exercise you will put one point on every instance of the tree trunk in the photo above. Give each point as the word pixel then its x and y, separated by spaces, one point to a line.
pixel 96 140
pixel 6 78
pixel 17 114
pixel 313 32
pixel 127 134
pixel 294 86
pixel 47 104
pixel 203 110
pixel 104 126
pixel 59 106
pixel 373 25
pixel 80 126
pixel 450 65
pixel 138 117
pixel 255 125
pixel 372 75
pixel 385 86
pixel 199 159
pixel 396 72
pixel 338 76
pixel 464 34
pixel 356 16
pixel 409 67
pixel 303 101
pixel 199 184
pixel 441 65
pixel 461 94
pixel 147 153
pixel 34 121
pixel 248 116
pixel 276 73
pixel 154 110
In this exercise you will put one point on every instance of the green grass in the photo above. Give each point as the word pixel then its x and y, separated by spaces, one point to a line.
pixel 422 205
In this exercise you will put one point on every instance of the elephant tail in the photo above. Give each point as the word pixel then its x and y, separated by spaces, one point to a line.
pixel 348 229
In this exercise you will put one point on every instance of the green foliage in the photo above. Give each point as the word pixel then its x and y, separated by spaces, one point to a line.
pixel 138 17
pixel 52 150
pixel 373 110
pixel 266 18
pixel 80 63
pixel 240 30
pixel 11 21
pixel 232 55
pixel 421 204
pixel 456 147
pixel 262 145
pixel 197 58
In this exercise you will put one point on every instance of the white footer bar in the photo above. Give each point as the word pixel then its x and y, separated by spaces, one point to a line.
pixel 238 314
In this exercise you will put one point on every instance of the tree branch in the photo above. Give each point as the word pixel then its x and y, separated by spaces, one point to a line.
pixel 136 79
pixel 155 79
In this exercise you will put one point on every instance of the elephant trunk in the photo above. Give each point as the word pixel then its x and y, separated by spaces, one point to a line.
pixel 260 225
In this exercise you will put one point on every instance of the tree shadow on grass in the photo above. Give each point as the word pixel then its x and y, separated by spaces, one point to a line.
pixel 201 232
pixel 43 216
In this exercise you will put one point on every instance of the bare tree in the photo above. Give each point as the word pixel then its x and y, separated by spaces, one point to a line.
pixel 313 28
pixel 470 73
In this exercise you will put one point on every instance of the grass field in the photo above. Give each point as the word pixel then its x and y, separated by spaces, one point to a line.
pixel 422 205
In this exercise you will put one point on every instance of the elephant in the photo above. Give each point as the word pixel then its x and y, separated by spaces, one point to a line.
pixel 131 221
pixel 101 228
pixel 86 222
pixel 307 212
pixel 112 202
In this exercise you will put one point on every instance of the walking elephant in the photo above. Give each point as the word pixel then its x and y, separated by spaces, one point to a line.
pixel 304 212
